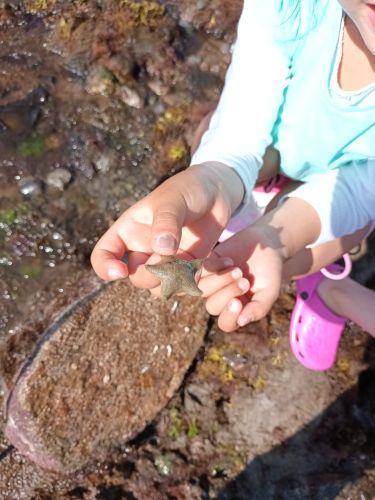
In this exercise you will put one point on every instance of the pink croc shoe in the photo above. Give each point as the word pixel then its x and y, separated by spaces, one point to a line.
pixel 315 330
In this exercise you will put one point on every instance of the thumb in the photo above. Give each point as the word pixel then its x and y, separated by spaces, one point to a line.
pixel 167 225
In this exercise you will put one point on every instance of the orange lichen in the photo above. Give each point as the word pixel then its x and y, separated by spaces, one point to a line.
pixel 232 460
pixel 64 27
pixel 216 366
pixel 343 366
pixel 36 6
pixel 177 151
pixel 172 118
pixel 260 383
pixel 144 13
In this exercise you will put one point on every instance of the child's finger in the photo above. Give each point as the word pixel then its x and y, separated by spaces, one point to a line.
pixel 169 214
pixel 227 320
pixel 126 234
pixel 217 302
pixel 260 304
pixel 107 254
pixel 212 265
pixel 212 283
pixel 138 274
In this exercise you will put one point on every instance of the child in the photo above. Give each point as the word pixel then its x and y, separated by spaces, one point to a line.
pixel 301 79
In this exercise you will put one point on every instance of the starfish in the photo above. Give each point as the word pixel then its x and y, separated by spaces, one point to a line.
pixel 176 275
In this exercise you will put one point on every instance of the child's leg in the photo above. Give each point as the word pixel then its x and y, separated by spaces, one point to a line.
pixel 350 299
pixel 323 305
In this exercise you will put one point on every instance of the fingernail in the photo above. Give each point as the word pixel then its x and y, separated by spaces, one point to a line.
pixel 243 284
pixel 234 306
pixel 228 262
pixel 166 242
pixel 244 320
pixel 114 273
pixel 236 273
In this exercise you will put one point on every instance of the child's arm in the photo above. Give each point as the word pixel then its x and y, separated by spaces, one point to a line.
pixel 344 199
pixel 240 129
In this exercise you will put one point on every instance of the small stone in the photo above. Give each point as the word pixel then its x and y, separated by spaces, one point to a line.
pixel 59 178
pixel 158 87
pixel 163 464
pixel 100 81
pixel 130 97
pixel 29 187
pixel 234 359
pixel 102 163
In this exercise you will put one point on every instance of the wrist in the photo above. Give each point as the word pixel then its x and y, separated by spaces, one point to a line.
pixel 270 238
pixel 225 181
pixel 290 227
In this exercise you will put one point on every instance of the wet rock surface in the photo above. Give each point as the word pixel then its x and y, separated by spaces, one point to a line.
pixel 124 85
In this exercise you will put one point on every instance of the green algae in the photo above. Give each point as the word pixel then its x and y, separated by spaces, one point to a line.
pixel 182 426
pixel 34 145
pixel 31 270
pixel 177 425
pixel 8 216
pixel 193 428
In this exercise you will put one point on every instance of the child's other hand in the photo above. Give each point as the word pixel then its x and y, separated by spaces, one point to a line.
pixel 225 289
pixel 238 298
pixel 184 215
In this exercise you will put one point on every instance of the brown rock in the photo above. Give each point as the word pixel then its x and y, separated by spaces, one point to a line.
pixel 100 373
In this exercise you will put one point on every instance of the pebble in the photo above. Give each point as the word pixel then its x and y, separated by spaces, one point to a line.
pixel 102 162
pixel 59 178
pixel 130 97
pixel 234 359
pixel 29 187
pixel 99 81
pixel 158 88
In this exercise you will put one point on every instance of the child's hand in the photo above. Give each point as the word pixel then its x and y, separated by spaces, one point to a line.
pixel 184 215
pixel 238 299
pixel 225 289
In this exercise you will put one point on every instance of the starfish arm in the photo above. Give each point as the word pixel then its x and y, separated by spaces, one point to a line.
pixel 158 271
pixel 169 287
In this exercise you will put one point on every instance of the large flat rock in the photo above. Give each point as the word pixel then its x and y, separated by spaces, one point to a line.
pixel 100 373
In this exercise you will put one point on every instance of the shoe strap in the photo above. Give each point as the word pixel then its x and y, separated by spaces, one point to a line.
pixel 343 274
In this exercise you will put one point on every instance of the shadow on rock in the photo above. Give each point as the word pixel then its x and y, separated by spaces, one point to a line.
pixel 21 116
pixel 318 462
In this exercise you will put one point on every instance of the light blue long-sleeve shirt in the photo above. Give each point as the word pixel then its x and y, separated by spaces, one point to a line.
pixel 281 88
